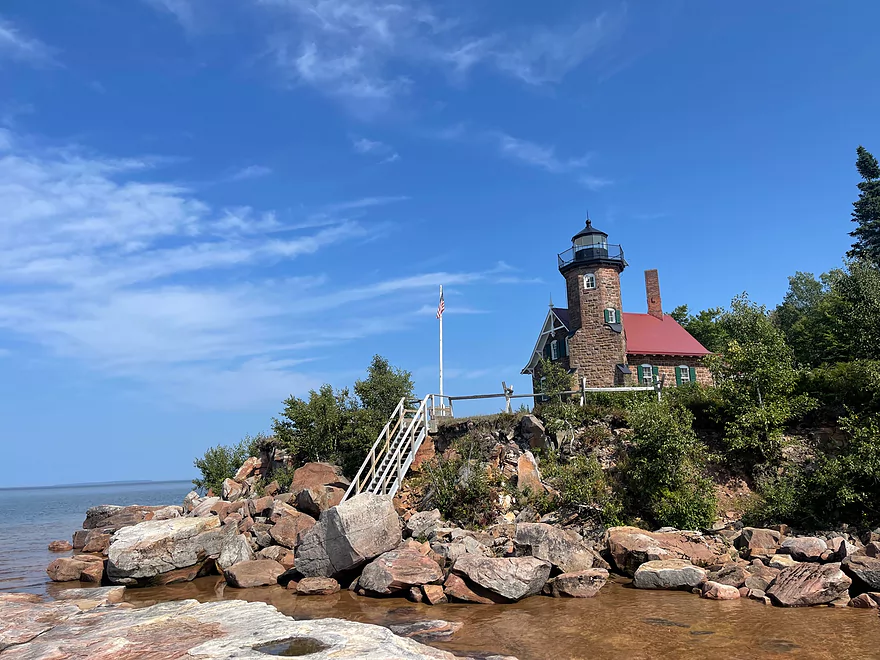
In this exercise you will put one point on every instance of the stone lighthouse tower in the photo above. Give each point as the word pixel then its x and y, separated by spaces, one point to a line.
pixel 597 343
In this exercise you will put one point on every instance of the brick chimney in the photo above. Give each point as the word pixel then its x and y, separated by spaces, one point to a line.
pixel 652 289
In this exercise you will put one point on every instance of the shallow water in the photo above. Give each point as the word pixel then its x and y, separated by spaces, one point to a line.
pixel 33 517
pixel 621 623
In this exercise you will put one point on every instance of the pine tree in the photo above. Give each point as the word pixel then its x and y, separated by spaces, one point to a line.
pixel 866 209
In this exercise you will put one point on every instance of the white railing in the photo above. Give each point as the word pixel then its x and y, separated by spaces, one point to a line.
pixel 393 452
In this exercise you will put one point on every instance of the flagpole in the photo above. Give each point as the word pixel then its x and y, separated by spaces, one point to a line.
pixel 441 349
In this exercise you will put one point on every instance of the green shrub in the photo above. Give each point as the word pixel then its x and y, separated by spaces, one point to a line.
pixel 704 402
pixel 580 482
pixel 459 486
pixel 843 387
pixel 664 472
pixel 219 463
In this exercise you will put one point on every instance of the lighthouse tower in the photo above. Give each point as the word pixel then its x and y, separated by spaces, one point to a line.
pixel 597 341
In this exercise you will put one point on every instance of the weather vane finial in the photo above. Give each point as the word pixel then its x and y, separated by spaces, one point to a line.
pixel 589 222
pixel 551 301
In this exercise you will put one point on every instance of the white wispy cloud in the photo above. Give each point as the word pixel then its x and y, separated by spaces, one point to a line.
pixel 595 183
pixel 17 46
pixel 538 155
pixel 251 172
pixel 385 152
pixel 358 50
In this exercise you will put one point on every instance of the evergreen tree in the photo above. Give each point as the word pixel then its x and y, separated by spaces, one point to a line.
pixel 866 209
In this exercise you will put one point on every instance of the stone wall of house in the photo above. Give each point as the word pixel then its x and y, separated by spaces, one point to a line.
pixel 595 349
pixel 666 367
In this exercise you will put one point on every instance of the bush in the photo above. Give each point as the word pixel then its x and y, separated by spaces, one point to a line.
pixel 664 470
pixel 579 482
pixel 222 462
pixel 844 387
pixel 459 485
pixel 704 402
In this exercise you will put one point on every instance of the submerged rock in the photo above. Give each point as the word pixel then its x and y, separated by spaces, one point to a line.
pixel 427 630
pixel 317 586
pixel 60 546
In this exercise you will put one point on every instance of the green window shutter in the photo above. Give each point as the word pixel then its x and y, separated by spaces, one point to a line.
pixel 656 372
pixel 607 316
pixel 678 375
pixel 619 317
pixel 547 350
pixel 693 372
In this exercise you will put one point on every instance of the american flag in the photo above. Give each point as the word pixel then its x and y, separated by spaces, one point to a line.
pixel 442 306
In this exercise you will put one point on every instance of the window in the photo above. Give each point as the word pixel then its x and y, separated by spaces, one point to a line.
pixel 554 350
pixel 684 374
pixel 646 374
pixel 590 281
pixel 611 316
pixel 567 352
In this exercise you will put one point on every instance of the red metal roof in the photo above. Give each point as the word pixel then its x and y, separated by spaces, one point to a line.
pixel 648 335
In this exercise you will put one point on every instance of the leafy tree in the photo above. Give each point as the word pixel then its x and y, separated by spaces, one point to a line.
pixel 332 425
pixel 704 326
pixel 757 378
pixel 866 209
pixel 664 471
pixel 222 462
pixel 554 380
pixel 857 312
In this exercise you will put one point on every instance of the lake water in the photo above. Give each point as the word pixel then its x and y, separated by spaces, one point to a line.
pixel 621 623
pixel 32 517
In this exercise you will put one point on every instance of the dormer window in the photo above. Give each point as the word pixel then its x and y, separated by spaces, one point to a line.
pixel 589 281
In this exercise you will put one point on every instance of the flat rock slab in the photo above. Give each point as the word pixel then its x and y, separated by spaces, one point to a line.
pixel 668 574
pixel 110 516
pixel 253 573
pixel 188 629
pixel 809 584
pixel 317 586
pixel 104 595
pixel 21 620
pixel 427 631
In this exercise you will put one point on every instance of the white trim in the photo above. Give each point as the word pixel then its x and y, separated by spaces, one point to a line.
pixel 592 280
pixel 684 373
pixel 547 329
pixel 567 351
pixel 612 315
pixel 650 377
pixel 554 350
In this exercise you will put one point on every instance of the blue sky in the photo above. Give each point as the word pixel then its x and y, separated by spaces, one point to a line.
pixel 208 205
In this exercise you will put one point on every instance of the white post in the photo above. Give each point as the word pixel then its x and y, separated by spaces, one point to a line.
pixel 441 348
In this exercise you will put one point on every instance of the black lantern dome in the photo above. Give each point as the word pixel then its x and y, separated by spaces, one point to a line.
pixel 589 247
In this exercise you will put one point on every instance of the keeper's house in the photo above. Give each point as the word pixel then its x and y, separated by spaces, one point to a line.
pixel 594 339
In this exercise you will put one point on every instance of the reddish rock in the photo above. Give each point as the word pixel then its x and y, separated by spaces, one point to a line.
pixel 434 594
pixel 731 574
pixel 455 587
pixel 718 591
pixel 809 584
pixel 280 509
pixel 273 488
pixel 233 519
pixel 865 569
pixel 278 553
pixel 112 518
pixel 427 631
pixel 261 506
pixel 398 570
pixel 232 490
pixel 630 547
pixel 806 548
pixel 317 586
pixel 60 546
pixel 85 568
pixel 253 573
pixel 247 468
pixel 314 500
pixel 873 549
pixel 757 542
pixel 415 595
pixel 760 577
pixel 97 542
pixel 317 474
pixel 528 477
pixel 290 529
pixel 79 538
pixel 583 584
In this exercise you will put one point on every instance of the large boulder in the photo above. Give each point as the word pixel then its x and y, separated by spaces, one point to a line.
pixel 757 542
pixel 235 550
pixel 804 548
pixel 314 500
pixel 398 570
pixel 668 574
pixel 865 569
pixel 630 547
pixel 809 584
pixel 583 584
pixel 232 490
pixel 564 549
pixel 349 535
pixel 718 591
pixel 248 468
pixel 144 551
pixel 291 528
pixel 317 474
pixel 423 523
pixel 512 578
pixel 457 589
pixel 253 573
pixel 533 432
pixel 112 517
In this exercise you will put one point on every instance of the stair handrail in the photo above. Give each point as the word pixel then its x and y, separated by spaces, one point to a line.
pixel 420 419
pixel 373 459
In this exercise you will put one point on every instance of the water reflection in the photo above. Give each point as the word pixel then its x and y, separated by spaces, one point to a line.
pixel 620 623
